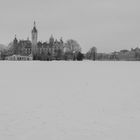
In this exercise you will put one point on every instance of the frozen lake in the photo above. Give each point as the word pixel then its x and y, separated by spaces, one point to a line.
pixel 69 100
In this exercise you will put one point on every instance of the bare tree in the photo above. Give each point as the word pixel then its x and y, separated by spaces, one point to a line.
pixel 92 53
pixel 71 49
pixel 72 46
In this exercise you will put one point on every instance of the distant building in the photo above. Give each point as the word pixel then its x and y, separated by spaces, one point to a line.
pixel 19 58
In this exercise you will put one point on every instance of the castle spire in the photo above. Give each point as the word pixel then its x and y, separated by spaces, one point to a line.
pixel 34 24
pixel 15 40
pixel 34 28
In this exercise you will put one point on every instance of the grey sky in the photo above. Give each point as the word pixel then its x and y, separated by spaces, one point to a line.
pixel 107 24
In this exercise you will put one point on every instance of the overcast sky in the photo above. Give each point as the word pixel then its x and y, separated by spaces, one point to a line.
pixel 107 24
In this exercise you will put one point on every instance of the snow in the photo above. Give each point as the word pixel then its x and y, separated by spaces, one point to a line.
pixel 69 100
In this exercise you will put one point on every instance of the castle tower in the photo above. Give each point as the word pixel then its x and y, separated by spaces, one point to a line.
pixel 34 40
pixel 15 45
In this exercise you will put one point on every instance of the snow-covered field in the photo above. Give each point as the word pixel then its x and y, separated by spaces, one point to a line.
pixel 69 100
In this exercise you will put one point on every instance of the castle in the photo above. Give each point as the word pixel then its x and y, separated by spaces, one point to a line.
pixel 52 50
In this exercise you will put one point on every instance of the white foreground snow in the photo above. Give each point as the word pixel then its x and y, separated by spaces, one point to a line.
pixel 69 100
